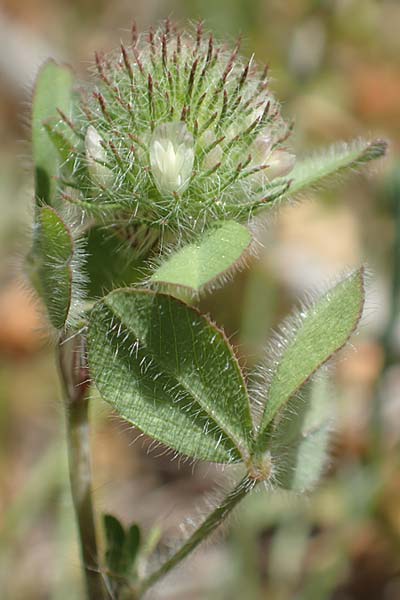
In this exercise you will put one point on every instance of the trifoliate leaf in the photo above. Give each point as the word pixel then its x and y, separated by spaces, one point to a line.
pixel 53 90
pixel 316 335
pixel 166 369
pixel 198 264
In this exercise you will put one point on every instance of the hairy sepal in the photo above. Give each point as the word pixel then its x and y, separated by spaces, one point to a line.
pixel 307 342
pixel 197 266
pixel 53 90
pixel 169 371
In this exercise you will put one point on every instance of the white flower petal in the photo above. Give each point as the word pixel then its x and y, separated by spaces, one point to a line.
pixel 172 157
pixel 280 164
pixel 96 153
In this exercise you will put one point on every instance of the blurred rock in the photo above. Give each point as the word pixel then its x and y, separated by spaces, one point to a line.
pixel 21 325
pixel 376 92
pixel 307 252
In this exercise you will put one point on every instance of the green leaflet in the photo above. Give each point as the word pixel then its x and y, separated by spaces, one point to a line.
pixel 196 265
pixel 319 332
pixel 122 546
pixel 53 90
pixel 334 161
pixel 170 372
pixel 51 257
pixel 300 437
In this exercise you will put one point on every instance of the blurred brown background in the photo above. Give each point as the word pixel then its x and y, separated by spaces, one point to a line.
pixel 336 68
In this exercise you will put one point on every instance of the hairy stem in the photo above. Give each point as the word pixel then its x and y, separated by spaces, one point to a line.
pixel 74 377
pixel 201 533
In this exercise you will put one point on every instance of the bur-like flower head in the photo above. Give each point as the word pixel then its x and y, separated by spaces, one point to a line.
pixel 177 132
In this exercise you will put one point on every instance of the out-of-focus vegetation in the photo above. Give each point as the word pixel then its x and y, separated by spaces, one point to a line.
pixel 336 67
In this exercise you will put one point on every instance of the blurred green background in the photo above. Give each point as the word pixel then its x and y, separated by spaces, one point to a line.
pixel 336 68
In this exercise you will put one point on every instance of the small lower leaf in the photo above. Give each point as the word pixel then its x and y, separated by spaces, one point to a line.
pixel 115 538
pixel 51 272
pixel 121 546
pixel 198 264
pixel 165 368
pixel 315 335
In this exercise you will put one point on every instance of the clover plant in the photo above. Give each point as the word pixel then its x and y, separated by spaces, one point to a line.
pixel 149 179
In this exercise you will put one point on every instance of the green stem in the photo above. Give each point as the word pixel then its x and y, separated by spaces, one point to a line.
pixel 206 528
pixel 74 378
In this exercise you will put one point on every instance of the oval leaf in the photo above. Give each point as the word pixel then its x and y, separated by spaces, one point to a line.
pixel 196 265
pixel 51 257
pixel 53 89
pixel 170 372
pixel 314 337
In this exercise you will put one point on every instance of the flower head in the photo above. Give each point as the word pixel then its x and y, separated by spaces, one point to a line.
pixel 178 132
